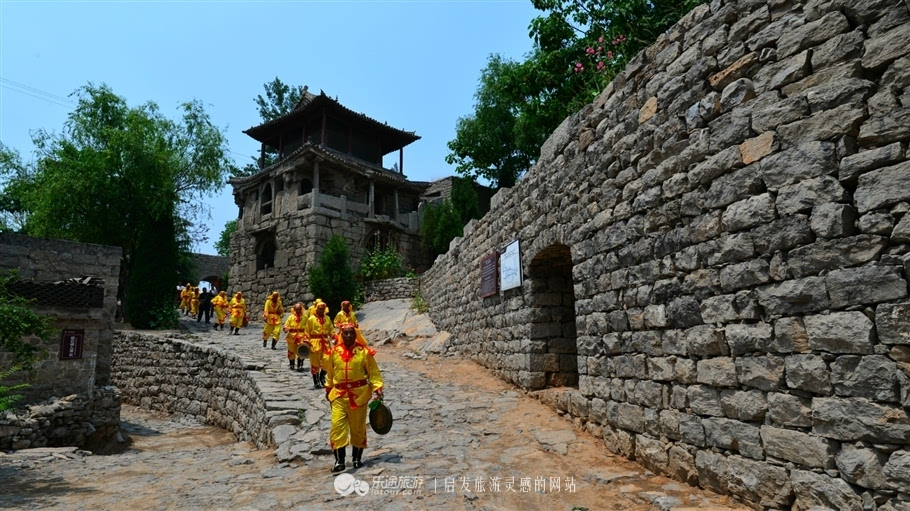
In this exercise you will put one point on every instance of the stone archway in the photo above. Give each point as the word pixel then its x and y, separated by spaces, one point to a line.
pixel 553 333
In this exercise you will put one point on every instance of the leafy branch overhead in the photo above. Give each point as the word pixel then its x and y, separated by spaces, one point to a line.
pixel 579 46
pixel 280 98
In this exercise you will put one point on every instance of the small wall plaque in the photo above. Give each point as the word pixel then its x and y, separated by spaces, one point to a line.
pixel 489 275
pixel 71 344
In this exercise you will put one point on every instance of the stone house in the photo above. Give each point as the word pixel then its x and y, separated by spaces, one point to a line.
pixel 328 180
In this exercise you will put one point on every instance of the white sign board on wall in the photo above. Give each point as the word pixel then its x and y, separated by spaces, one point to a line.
pixel 510 267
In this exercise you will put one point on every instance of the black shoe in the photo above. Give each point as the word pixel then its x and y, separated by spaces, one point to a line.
pixel 291 364
pixel 274 342
pixel 264 343
pixel 316 381
pixel 339 460
pixel 322 378
pixel 358 452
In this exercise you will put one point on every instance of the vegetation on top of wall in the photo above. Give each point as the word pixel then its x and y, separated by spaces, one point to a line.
pixel 380 263
pixel 579 46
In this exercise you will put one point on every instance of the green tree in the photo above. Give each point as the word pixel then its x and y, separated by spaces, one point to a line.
pixel 579 46
pixel 332 279
pixel 115 171
pixel 441 224
pixel 223 245
pixel 280 98
pixel 19 327
pixel 155 270
pixel 464 200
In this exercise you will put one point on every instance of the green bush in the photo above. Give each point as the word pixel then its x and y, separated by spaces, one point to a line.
pixel 419 304
pixel 380 264
pixel 332 278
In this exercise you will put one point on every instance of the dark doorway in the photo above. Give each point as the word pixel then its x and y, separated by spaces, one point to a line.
pixel 265 252
pixel 553 316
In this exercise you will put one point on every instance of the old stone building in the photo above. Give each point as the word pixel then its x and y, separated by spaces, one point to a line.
pixel 329 180
pixel 68 400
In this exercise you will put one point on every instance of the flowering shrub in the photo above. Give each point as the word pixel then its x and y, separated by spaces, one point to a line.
pixel 601 64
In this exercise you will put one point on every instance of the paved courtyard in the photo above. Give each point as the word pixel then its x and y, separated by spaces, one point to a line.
pixel 462 439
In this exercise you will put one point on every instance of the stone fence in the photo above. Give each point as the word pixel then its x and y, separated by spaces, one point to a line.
pixel 176 376
pixel 390 289
pixel 90 421
pixel 714 255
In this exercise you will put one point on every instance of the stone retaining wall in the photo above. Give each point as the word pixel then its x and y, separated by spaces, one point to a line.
pixel 90 421
pixel 716 250
pixel 390 289
pixel 177 376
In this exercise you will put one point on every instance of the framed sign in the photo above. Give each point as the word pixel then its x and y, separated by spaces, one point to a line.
pixel 510 266
pixel 489 275
pixel 71 344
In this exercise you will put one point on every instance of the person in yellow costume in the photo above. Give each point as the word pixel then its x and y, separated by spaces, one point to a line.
pixel 194 302
pixel 295 328
pixel 238 312
pixel 353 377
pixel 221 306
pixel 271 314
pixel 346 316
pixel 312 309
pixel 185 296
pixel 319 329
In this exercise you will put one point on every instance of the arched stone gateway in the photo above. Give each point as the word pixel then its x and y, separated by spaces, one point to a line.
pixel 736 208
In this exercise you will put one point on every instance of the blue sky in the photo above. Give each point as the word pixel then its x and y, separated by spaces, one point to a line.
pixel 412 64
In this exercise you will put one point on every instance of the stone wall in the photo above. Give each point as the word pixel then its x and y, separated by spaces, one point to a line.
pixel 300 237
pixel 176 376
pixel 727 226
pixel 90 421
pixel 45 261
pixel 390 289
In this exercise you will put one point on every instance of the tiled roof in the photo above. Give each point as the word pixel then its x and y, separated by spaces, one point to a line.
pixel 309 102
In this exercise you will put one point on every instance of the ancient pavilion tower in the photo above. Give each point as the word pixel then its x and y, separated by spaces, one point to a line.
pixel 328 180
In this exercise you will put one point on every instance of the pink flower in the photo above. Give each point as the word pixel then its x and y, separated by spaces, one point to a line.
pixel 610 55
pixel 600 39
pixel 599 49
pixel 590 51
pixel 600 65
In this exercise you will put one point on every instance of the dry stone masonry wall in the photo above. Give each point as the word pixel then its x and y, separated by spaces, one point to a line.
pixel 390 289
pixel 89 420
pixel 177 376
pixel 730 217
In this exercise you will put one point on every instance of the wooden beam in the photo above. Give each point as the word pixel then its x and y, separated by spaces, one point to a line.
pixel 262 157
pixel 281 146
pixel 401 161
pixel 350 139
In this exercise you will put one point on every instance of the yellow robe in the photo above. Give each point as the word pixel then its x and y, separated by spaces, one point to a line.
pixel 320 334
pixel 296 333
pixel 238 311
pixel 195 303
pixel 220 304
pixel 272 313
pixel 351 368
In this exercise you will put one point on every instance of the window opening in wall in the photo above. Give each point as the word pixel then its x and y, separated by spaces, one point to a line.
pixel 279 184
pixel 265 251
pixel 265 207
pixel 553 317
pixel 306 186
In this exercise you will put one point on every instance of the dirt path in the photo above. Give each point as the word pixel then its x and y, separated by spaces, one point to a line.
pixel 465 438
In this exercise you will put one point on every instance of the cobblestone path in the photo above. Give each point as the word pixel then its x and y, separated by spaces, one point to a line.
pixel 465 438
